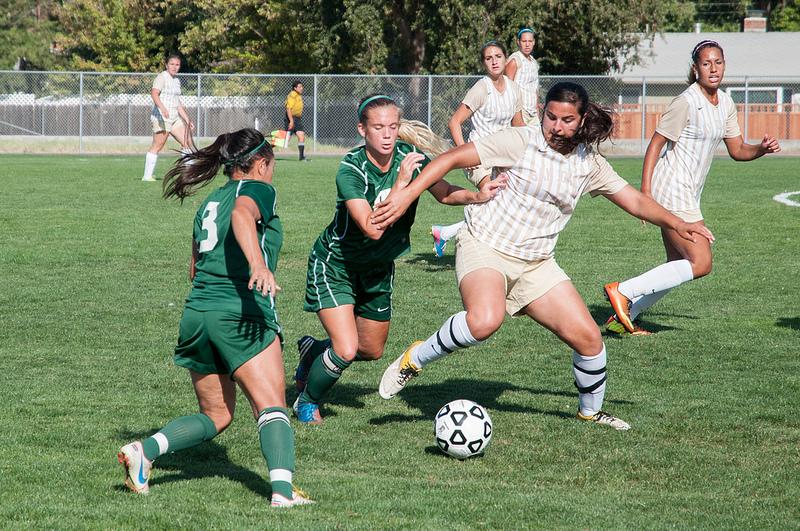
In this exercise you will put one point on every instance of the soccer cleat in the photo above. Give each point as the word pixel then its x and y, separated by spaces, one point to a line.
pixel 137 467
pixel 438 242
pixel 148 179
pixel 307 412
pixel 398 374
pixel 621 305
pixel 614 326
pixel 298 498
pixel 603 418
pixel 304 347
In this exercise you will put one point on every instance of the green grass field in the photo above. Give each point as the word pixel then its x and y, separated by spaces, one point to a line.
pixel 94 274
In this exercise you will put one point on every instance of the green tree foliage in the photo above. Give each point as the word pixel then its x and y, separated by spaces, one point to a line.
pixel 27 32
pixel 786 17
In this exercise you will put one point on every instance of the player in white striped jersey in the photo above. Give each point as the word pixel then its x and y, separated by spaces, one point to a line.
pixel 505 256
pixel 523 68
pixel 491 105
pixel 168 117
pixel 690 130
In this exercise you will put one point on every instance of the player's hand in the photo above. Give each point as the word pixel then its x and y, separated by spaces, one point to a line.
pixel 388 211
pixel 491 188
pixel 164 113
pixel 191 125
pixel 689 231
pixel 769 144
pixel 263 281
pixel 410 164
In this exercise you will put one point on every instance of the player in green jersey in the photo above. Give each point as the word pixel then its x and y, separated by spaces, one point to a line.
pixel 351 266
pixel 229 332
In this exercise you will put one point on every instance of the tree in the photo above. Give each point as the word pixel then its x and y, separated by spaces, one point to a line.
pixel 27 34
pixel 786 17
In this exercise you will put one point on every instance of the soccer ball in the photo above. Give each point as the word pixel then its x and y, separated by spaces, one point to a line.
pixel 462 429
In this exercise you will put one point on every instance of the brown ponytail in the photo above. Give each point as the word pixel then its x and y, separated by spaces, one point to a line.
pixel 230 151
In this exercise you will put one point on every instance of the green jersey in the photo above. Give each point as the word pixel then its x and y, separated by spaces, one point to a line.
pixel 221 270
pixel 358 178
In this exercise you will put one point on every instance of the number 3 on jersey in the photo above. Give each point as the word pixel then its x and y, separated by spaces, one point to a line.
pixel 210 227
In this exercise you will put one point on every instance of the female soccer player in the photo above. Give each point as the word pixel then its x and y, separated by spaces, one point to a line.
pixel 229 332
pixel 351 266
pixel 691 129
pixel 169 117
pixel 492 104
pixel 504 257
pixel 524 69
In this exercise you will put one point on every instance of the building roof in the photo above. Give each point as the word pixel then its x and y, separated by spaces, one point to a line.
pixel 768 54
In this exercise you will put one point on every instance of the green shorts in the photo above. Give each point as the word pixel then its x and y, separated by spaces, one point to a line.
pixel 329 284
pixel 219 342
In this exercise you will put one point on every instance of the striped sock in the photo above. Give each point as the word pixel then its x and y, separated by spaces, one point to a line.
pixel 277 444
pixel 180 434
pixel 325 371
pixel 590 379
pixel 453 335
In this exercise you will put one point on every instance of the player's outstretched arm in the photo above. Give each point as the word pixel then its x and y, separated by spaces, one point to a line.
pixel 741 151
pixel 389 210
pixel 449 194
pixel 644 207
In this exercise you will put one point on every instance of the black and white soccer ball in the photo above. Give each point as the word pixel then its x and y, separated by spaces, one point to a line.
pixel 462 429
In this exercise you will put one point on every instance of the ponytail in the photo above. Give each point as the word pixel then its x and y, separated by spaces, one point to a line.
pixel 421 136
pixel 597 123
pixel 231 151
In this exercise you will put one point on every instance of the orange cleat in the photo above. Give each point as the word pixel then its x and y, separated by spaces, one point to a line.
pixel 613 325
pixel 621 305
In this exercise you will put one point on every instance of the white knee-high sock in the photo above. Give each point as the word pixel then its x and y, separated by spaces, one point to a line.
pixel 449 231
pixel 453 335
pixel 149 164
pixel 645 301
pixel 590 379
pixel 665 276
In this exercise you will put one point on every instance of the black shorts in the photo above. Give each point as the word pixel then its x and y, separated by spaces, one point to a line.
pixel 298 124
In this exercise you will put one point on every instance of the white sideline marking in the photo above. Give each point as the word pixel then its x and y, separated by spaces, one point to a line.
pixel 784 198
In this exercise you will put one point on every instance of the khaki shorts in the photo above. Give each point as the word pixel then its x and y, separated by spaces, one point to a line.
pixel 166 125
pixel 530 119
pixel 526 280
pixel 689 216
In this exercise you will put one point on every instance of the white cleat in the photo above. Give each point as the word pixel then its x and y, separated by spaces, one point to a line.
pixel 137 467
pixel 148 179
pixel 298 498
pixel 399 373
pixel 605 419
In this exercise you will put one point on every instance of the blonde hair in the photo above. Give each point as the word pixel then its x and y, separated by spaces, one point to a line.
pixel 420 135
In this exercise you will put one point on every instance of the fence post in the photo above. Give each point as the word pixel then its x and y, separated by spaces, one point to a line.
pixel 316 85
pixel 199 93
pixel 644 115
pixel 430 100
pixel 80 114
pixel 746 108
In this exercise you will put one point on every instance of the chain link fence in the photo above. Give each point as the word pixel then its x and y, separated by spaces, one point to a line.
pixel 89 112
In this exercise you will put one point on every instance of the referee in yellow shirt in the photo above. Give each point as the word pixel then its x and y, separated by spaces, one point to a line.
pixel 293 121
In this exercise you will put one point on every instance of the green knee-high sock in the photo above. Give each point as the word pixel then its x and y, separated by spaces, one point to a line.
pixel 277 445
pixel 179 434
pixel 325 371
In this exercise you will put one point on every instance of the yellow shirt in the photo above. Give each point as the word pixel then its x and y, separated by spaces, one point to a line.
pixel 294 102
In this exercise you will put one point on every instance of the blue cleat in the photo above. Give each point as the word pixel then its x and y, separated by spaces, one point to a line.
pixel 307 412
pixel 438 242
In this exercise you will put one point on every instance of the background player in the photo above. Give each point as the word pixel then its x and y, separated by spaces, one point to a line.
pixel 492 104
pixel 691 129
pixel 505 256
pixel 351 266
pixel 524 70
pixel 168 117
pixel 229 331
pixel 293 121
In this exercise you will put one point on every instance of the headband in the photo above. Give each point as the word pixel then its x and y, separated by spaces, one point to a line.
pixel 370 100
pixel 703 44
pixel 524 30
pixel 241 158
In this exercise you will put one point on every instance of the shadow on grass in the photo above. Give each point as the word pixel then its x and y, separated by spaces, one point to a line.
pixel 205 460
pixel 601 312
pixel 789 322
pixel 429 398
pixel 428 262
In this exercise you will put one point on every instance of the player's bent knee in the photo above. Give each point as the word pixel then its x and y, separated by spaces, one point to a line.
pixel 370 355
pixel 483 324
pixel 701 268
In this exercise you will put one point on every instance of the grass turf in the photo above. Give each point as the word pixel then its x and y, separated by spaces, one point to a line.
pixel 94 268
